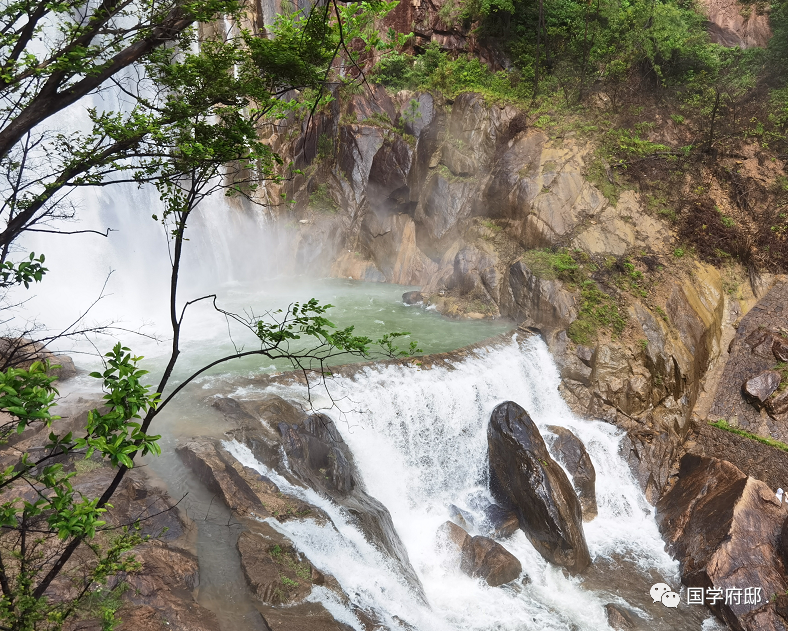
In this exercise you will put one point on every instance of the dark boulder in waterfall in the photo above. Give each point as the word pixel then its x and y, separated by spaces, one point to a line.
pixel 320 458
pixel 484 558
pixel 500 522
pixel 479 557
pixel 525 477
pixel 570 451
pixel 724 529
pixel 412 297
pixel 452 537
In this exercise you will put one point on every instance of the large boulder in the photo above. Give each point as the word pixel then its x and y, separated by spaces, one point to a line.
pixel 487 559
pixel 570 452
pixel 452 537
pixel 524 476
pixel 479 557
pixel 724 529
pixel 412 297
pixel 500 522
pixel 20 352
pixel 320 458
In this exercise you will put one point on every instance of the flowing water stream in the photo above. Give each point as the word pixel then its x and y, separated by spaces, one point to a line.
pixel 419 440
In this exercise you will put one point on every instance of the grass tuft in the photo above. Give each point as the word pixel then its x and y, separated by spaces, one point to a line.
pixel 723 424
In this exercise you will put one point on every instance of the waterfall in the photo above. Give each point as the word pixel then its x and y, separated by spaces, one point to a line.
pixel 228 242
pixel 419 438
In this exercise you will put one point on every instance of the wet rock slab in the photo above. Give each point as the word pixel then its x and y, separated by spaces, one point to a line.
pixel 620 618
pixel 570 452
pixel 724 528
pixel 303 617
pixel 524 476
pixel 479 557
pixel 274 570
pixel 160 595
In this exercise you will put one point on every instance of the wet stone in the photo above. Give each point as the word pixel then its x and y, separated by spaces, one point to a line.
pixel 484 558
pixel 501 522
pixel 412 297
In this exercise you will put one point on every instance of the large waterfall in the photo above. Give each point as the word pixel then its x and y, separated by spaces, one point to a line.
pixel 419 440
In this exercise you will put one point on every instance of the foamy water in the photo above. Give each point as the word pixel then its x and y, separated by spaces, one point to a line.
pixel 419 438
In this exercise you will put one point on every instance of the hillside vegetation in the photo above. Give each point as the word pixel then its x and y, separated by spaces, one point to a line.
pixel 672 114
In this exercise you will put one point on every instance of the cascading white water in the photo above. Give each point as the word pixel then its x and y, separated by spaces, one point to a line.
pixel 227 243
pixel 419 441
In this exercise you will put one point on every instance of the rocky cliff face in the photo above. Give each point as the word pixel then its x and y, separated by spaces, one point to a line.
pixel 450 195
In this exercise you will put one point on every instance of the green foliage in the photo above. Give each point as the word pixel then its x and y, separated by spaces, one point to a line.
pixel 325 147
pixel 597 311
pixel 27 395
pixel 103 604
pixel 602 176
pixel 782 368
pixel 552 265
pixel 771 442
pixel 115 434
pixel 320 199
pixel 490 225
pixel 288 582
pixel 22 273
pixel 627 144
pixel 435 70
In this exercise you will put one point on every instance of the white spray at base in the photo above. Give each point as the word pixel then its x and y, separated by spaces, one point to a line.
pixel 419 439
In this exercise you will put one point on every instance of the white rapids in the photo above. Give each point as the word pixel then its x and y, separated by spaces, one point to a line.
pixel 419 438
